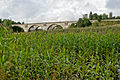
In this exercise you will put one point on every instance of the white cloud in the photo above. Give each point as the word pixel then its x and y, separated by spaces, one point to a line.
pixel 113 6
pixel 49 10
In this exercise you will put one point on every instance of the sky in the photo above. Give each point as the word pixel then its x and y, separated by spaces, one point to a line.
pixel 32 11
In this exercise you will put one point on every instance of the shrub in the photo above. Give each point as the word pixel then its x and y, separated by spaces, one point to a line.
pixel 87 22
pixel 80 23
pixel 95 24
pixel 99 18
pixel 17 29
pixel 73 25
pixel 83 22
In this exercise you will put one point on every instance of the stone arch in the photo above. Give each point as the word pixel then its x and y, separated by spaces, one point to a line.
pixel 32 28
pixel 54 26
pixel 38 28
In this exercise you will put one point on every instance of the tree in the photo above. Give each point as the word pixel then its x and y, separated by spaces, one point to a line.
pixel 110 15
pixel 105 16
pixel 87 22
pixel 113 17
pixel 7 23
pixel 17 29
pixel 83 22
pixel 73 25
pixel 23 23
pixel 99 18
pixel 90 16
pixel 85 16
pixel 95 16
pixel 18 23
pixel 118 17
pixel 80 23
pixel 0 20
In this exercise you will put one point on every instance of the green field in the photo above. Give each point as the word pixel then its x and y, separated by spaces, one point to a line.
pixel 72 54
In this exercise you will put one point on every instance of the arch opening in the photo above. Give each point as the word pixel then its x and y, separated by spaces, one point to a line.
pixel 32 28
pixel 39 28
pixel 54 27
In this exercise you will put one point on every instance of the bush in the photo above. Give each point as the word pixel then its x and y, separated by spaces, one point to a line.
pixel 80 23
pixel 87 22
pixel 17 29
pixel 83 22
pixel 95 24
pixel 73 25
pixel 110 22
pixel 6 23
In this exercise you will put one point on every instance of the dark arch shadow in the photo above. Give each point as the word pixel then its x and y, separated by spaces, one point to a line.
pixel 39 28
pixel 31 28
pixel 17 29
pixel 54 26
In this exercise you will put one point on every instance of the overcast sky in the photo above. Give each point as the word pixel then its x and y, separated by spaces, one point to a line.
pixel 54 10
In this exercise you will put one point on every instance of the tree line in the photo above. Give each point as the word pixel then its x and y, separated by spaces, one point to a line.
pixel 95 16
pixel 85 21
pixel 7 23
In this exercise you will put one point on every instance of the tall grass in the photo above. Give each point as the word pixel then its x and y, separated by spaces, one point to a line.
pixel 61 55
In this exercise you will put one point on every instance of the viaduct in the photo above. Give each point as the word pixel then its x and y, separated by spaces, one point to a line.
pixel 50 25
pixel 45 25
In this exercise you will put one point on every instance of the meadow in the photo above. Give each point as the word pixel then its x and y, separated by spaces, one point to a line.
pixel 72 54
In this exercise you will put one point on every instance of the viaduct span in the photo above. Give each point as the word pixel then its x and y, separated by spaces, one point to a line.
pixel 51 25
pixel 44 26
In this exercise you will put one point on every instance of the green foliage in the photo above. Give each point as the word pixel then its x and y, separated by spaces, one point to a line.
pixel 17 29
pixel 23 23
pixel 6 23
pixel 95 24
pixel 118 17
pixel 90 16
pixel 58 27
pixel 73 25
pixel 105 16
pixel 63 55
pixel 87 22
pixel 0 20
pixel 95 16
pixel 99 18
pixel 110 15
pixel 80 23
pixel 83 22
pixel 105 23
pixel 85 16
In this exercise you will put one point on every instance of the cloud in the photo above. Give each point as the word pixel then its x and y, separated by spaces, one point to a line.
pixel 113 6
pixel 48 10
